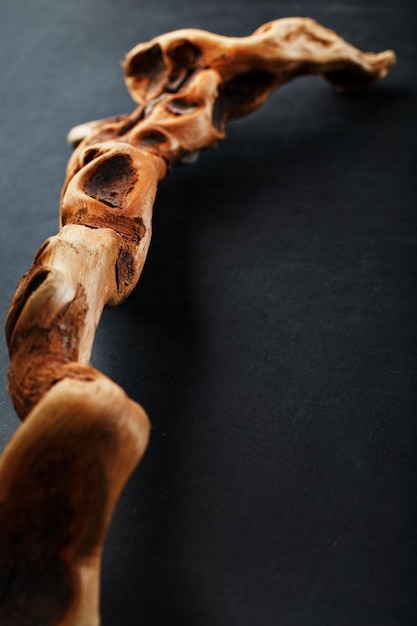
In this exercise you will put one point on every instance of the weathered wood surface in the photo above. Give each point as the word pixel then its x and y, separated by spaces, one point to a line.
pixel 62 472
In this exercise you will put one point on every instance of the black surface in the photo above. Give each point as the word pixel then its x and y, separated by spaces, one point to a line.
pixel 272 336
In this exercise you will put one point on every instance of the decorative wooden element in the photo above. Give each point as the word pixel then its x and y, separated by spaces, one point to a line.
pixel 63 470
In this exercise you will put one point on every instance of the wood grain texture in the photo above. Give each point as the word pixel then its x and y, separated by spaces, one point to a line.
pixel 62 472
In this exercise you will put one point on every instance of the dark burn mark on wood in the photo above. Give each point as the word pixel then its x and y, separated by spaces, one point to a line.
pixel 179 83
pixel 131 122
pixel 43 593
pixel 37 586
pixel 90 155
pixel 36 281
pixel 182 106
pixel 31 374
pixel 35 583
pixel 184 54
pixel 124 269
pixel 151 138
pixel 67 325
pixel 349 79
pixel 238 95
pixel 111 180
pixel 116 127
pixel 148 67
pixel 184 57
pixel 28 285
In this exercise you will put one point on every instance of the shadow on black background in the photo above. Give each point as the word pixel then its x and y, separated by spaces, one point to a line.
pixel 319 538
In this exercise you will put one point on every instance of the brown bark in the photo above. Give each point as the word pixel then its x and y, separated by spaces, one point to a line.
pixel 63 470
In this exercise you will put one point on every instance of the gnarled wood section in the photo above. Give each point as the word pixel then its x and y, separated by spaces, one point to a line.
pixel 190 82
pixel 52 321
pixel 63 470
pixel 282 49
pixel 61 475
pixel 116 189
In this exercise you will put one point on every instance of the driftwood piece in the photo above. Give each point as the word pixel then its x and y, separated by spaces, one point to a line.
pixel 63 470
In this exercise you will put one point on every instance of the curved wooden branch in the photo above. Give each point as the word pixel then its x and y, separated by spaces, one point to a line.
pixel 63 470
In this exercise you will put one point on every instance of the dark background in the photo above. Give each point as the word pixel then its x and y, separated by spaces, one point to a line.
pixel 272 336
